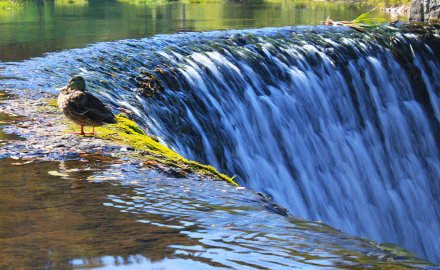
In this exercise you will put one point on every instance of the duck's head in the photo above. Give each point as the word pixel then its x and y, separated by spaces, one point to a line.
pixel 77 82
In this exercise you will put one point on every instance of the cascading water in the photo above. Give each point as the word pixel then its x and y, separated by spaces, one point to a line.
pixel 339 129
pixel 337 126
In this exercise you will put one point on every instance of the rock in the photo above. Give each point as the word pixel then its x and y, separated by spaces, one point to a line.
pixel 424 11
pixel 175 173
pixel 148 84
pixel 434 11
pixel 416 11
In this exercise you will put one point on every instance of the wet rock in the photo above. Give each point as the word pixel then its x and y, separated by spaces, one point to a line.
pixel 270 205
pixel 434 11
pixel 42 141
pixel 148 84
pixel 175 173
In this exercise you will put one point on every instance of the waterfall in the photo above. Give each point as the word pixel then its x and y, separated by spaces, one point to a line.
pixel 335 125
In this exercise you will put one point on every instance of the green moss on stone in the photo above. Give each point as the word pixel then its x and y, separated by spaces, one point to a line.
pixel 128 132
pixel 53 102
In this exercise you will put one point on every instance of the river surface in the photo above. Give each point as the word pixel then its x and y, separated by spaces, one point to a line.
pixel 40 27
pixel 337 126
pixel 99 212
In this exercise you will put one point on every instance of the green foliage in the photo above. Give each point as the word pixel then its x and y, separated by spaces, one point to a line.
pixel 203 1
pixel 8 7
pixel 365 20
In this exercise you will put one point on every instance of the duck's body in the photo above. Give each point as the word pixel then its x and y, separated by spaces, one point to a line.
pixel 82 107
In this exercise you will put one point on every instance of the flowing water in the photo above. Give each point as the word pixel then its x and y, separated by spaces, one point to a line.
pixel 98 212
pixel 337 126
pixel 83 214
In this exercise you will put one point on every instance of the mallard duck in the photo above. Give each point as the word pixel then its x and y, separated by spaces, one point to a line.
pixel 82 107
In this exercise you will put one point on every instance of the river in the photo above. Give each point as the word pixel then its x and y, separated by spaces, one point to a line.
pixel 337 126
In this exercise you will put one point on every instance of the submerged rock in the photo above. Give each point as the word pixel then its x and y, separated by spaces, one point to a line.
pixel 148 84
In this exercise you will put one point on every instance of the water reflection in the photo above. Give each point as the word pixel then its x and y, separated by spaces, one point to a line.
pixel 234 230
pixel 43 26
pixel 155 199
pixel 74 215
pixel 46 221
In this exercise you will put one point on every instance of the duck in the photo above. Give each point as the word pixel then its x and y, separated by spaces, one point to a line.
pixel 82 107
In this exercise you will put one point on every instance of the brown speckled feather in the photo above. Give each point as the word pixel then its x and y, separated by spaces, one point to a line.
pixel 84 109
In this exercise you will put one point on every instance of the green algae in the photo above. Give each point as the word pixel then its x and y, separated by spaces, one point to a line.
pixel 52 102
pixel 153 153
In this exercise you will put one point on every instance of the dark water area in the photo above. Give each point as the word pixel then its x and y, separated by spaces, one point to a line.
pixel 43 26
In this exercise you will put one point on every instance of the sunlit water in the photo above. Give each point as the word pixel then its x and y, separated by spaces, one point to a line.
pixel 43 26
pixel 97 212
pixel 337 126
pixel 86 213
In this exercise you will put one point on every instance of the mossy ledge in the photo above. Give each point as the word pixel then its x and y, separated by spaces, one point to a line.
pixel 151 152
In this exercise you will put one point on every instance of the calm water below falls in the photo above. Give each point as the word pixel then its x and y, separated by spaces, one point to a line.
pixel 337 126
pixel 85 214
